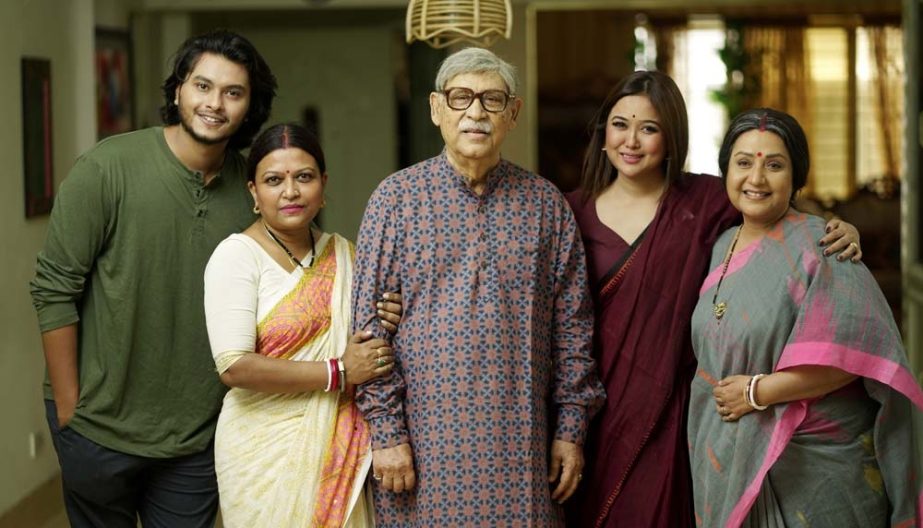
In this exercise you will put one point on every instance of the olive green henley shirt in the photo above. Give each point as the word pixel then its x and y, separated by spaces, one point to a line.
pixel 130 233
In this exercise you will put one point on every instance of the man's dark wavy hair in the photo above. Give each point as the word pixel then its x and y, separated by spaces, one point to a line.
pixel 237 49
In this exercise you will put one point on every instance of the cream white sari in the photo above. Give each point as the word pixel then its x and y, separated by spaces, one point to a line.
pixel 286 460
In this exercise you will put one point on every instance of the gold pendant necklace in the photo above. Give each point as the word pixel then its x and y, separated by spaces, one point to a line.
pixel 719 308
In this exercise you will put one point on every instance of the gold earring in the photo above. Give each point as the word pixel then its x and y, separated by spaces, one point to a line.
pixel 256 209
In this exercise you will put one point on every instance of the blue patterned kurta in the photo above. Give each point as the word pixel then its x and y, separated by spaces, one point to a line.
pixel 493 352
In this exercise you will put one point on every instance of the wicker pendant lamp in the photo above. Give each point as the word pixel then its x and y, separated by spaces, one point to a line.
pixel 441 23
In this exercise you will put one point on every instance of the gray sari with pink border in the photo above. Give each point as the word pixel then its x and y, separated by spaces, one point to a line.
pixel 846 459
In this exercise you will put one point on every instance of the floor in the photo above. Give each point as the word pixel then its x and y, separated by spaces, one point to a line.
pixel 59 521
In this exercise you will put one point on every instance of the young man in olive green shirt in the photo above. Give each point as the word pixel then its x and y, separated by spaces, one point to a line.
pixel 132 396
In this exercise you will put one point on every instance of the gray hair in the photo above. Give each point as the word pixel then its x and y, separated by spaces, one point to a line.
pixel 475 60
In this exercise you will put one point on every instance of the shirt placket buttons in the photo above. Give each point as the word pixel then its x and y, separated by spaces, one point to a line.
pixel 483 251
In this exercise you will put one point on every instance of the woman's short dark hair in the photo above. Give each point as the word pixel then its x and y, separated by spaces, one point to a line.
pixel 666 98
pixel 282 136
pixel 780 124
pixel 237 49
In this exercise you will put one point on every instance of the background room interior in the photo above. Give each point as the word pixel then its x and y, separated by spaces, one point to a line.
pixel 849 70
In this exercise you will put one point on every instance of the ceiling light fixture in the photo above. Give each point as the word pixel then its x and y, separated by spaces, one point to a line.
pixel 441 23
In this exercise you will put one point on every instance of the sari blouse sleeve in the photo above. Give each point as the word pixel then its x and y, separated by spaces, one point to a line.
pixel 231 296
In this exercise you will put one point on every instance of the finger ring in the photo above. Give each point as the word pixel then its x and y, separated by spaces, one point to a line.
pixel 854 245
pixel 376 477
pixel 380 362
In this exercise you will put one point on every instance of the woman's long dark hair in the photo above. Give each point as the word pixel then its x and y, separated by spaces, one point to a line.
pixel 666 98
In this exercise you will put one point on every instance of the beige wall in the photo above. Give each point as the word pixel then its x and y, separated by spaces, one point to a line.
pixel 346 74
pixel 113 14
pixel 520 144
pixel 155 38
pixel 61 30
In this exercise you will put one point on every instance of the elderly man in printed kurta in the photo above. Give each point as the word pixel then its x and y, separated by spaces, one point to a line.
pixel 483 419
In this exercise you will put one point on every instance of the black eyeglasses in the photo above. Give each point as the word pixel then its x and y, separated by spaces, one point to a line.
pixel 491 100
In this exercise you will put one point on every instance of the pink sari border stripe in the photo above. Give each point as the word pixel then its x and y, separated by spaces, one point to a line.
pixel 737 261
pixel 782 433
pixel 855 362
pixel 343 460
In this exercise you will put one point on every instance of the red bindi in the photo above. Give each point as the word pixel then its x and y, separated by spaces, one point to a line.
pixel 759 154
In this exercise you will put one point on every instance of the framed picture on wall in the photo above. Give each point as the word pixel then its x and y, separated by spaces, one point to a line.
pixel 114 95
pixel 37 154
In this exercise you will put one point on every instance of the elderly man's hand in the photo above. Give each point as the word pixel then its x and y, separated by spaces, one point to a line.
pixel 392 468
pixel 566 468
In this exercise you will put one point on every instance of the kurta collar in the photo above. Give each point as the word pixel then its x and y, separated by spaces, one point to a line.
pixel 494 177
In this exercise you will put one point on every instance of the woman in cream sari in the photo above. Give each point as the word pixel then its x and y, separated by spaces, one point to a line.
pixel 291 449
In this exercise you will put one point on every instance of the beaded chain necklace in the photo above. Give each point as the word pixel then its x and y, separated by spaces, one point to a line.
pixel 289 253
pixel 718 308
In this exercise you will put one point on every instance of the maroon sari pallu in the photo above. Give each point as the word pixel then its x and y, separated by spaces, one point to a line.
pixel 637 465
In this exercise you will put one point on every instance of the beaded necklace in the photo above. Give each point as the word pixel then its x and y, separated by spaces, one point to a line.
pixel 289 253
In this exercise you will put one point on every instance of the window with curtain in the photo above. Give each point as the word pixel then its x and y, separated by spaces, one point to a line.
pixel 880 85
pixel 843 84
pixel 853 108
pixel 856 77
pixel 689 53
pixel 827 51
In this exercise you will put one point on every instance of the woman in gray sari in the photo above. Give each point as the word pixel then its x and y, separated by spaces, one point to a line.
pixel 801 408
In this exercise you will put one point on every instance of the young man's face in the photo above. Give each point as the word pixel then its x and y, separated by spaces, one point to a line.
pixel 214 99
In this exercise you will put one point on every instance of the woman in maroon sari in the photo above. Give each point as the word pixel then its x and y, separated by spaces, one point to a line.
pixel 648 229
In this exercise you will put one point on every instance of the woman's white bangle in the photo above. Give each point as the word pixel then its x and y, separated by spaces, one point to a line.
pixel 751 393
